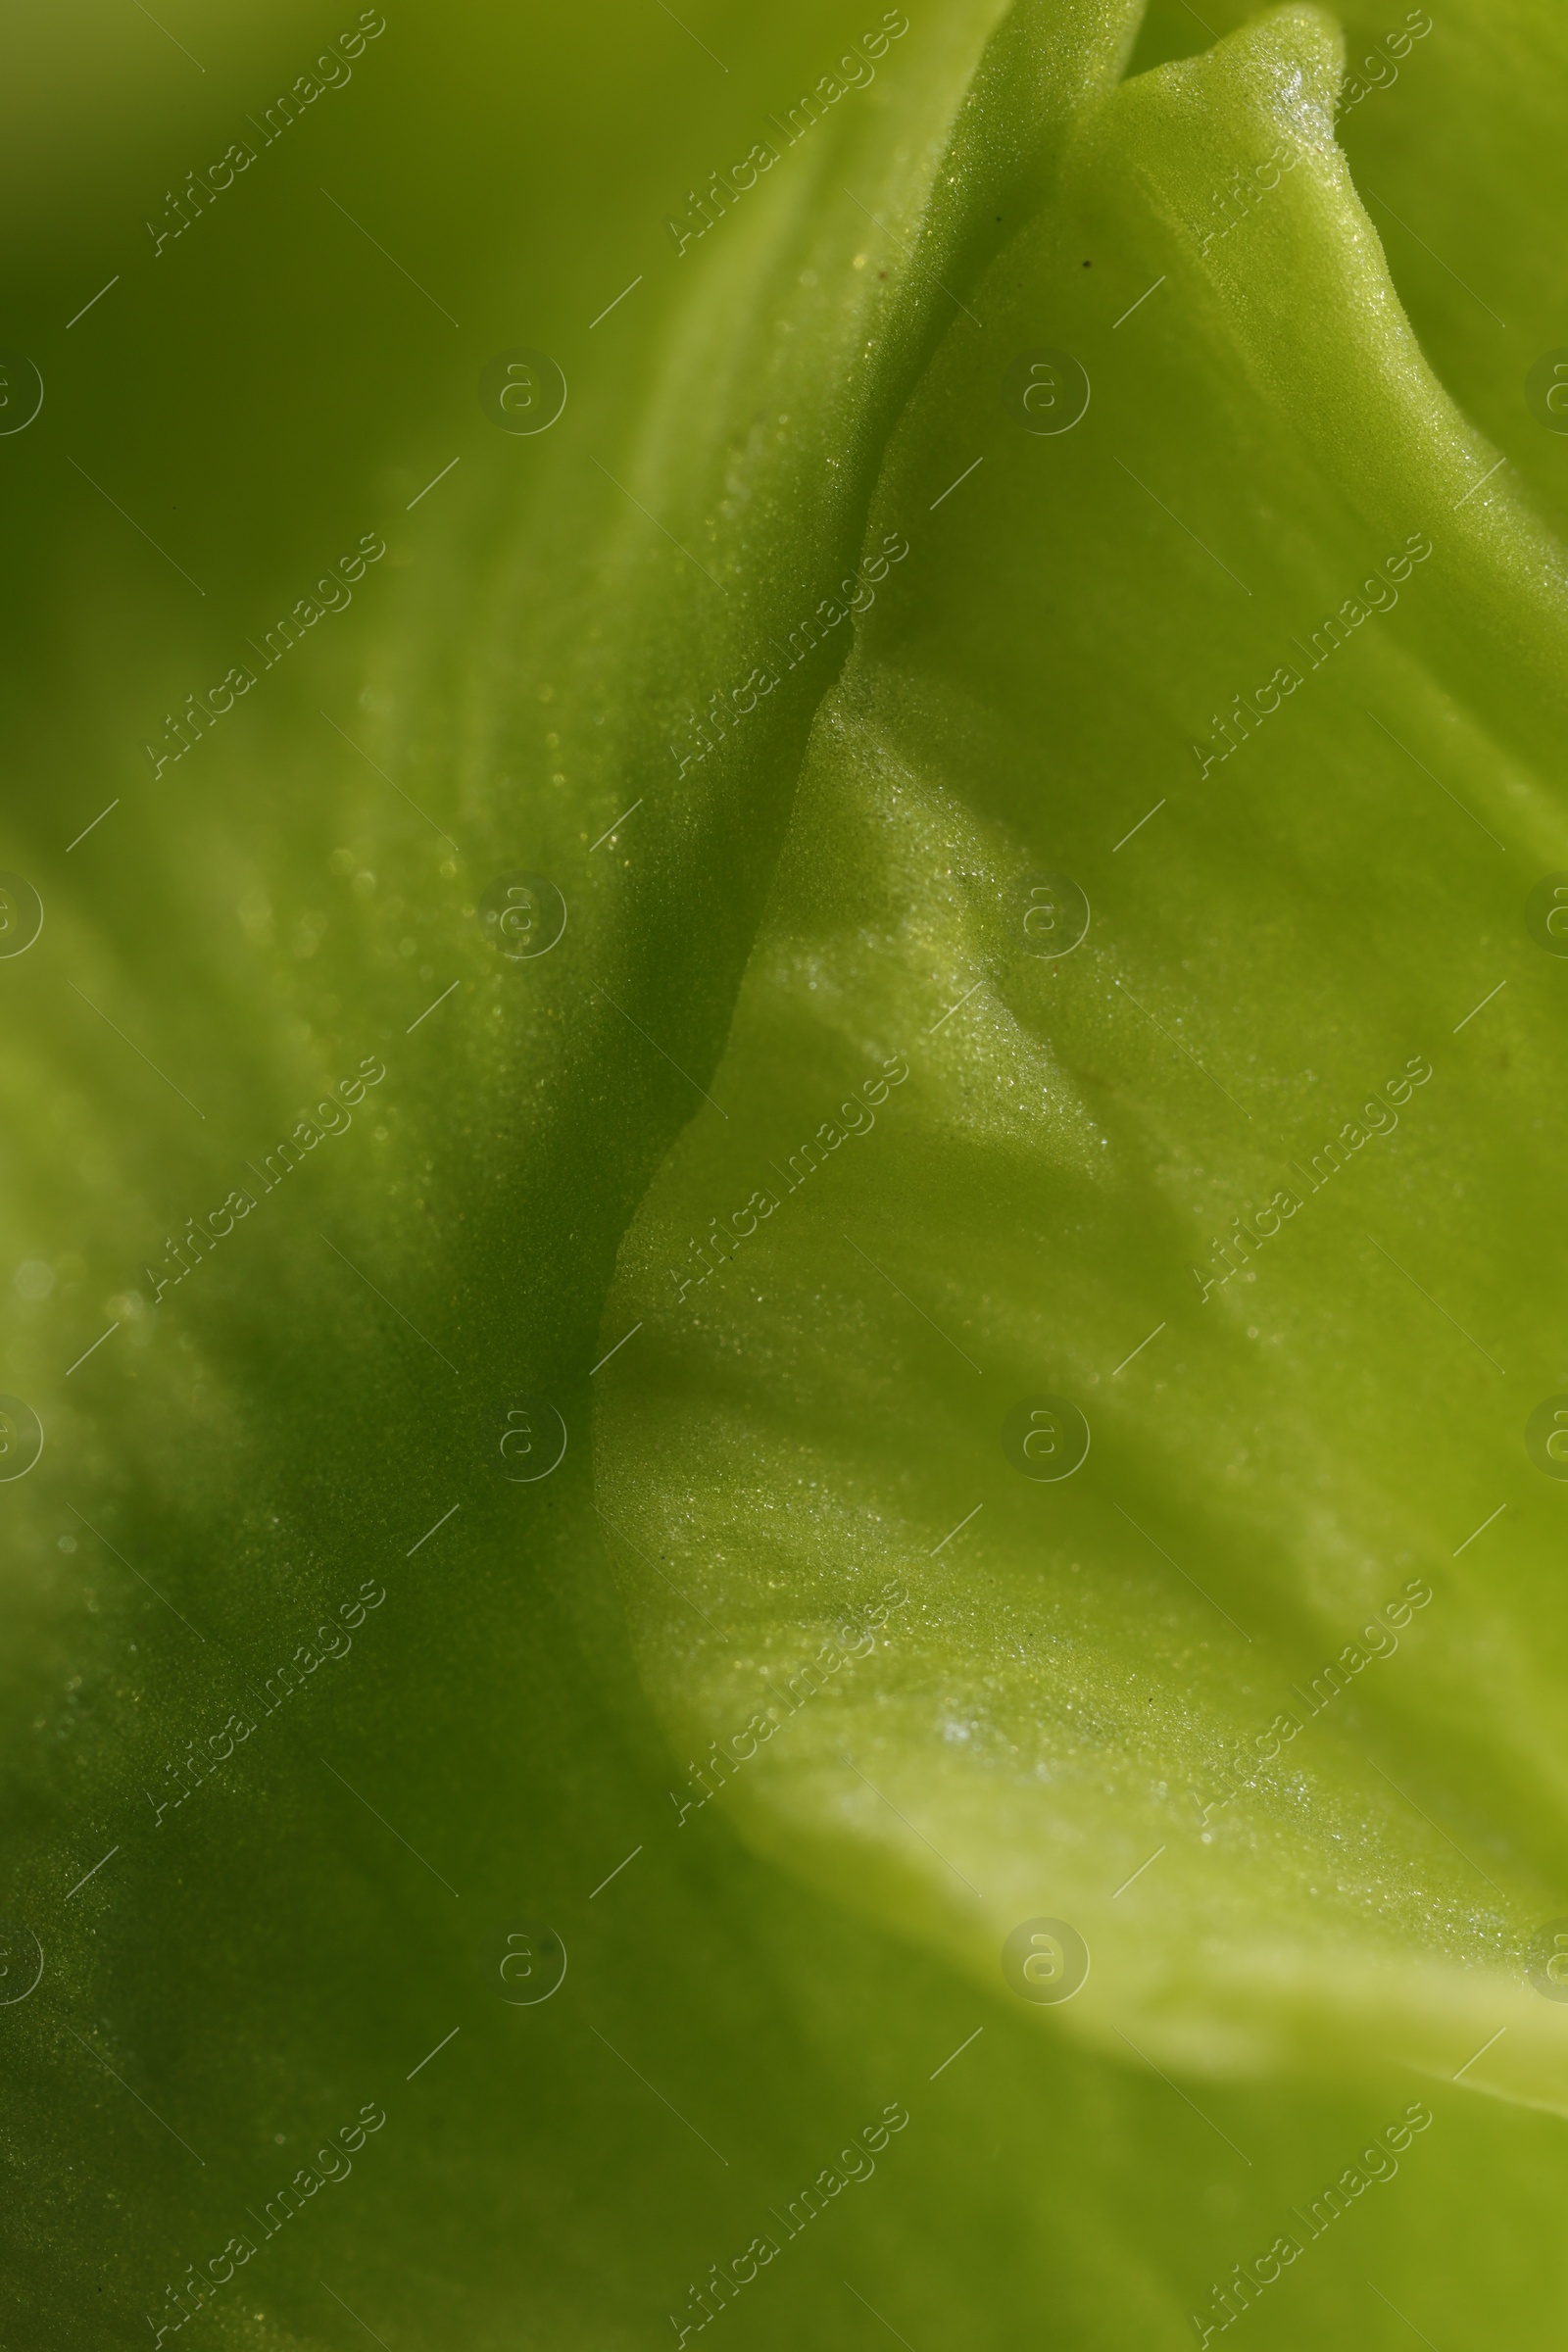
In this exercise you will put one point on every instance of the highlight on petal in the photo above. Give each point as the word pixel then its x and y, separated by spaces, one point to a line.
pixel 1259 653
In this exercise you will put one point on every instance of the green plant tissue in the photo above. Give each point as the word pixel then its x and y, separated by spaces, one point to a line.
pixel 782 919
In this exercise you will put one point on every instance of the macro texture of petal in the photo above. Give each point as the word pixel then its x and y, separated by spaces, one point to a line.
pixel 782 1183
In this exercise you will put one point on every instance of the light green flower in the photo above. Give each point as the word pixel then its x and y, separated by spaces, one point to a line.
pixel 1022 704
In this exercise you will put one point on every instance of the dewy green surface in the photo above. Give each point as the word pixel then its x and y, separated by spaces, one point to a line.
pixel 1298 920
pixel 785 1497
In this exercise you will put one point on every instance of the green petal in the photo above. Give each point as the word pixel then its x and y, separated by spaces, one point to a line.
pixel 1284 933
pixel 317 1407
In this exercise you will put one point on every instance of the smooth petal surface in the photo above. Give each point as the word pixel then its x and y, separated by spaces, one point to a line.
pixel 1264 656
